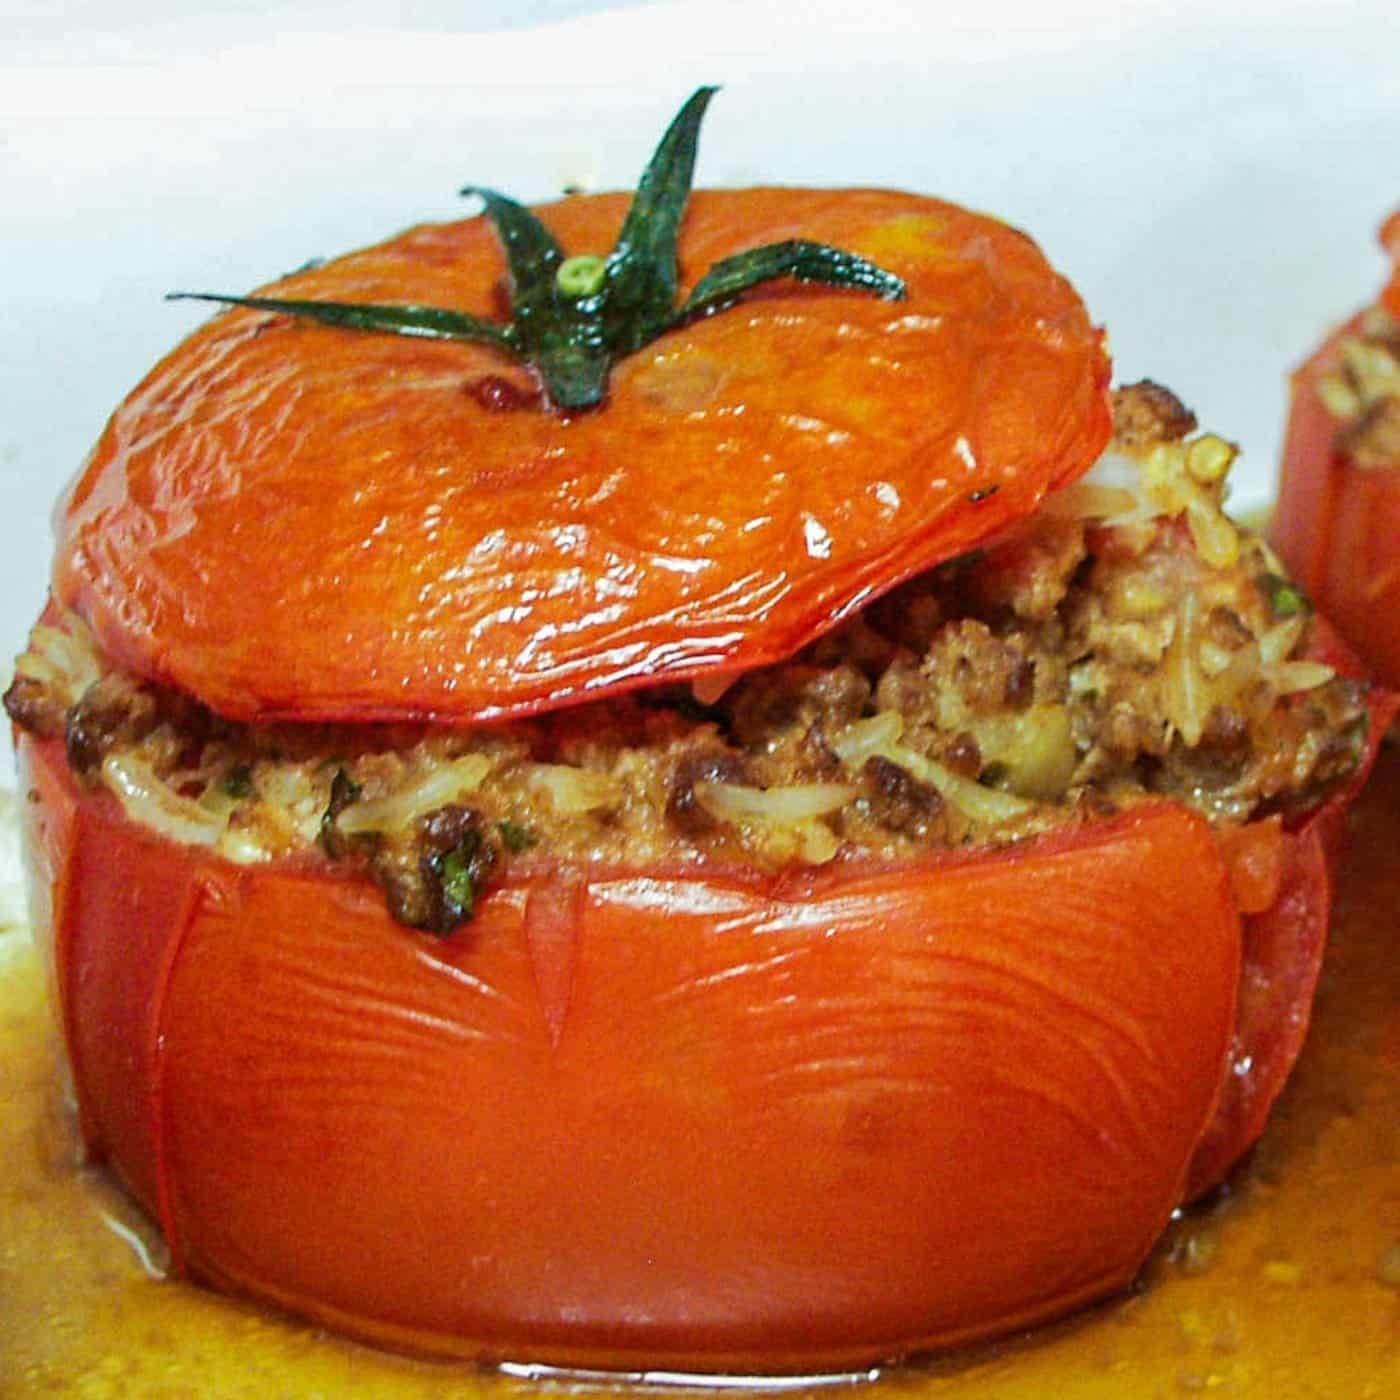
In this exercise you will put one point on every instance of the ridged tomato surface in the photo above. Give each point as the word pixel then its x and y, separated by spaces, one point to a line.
pixel 652 1118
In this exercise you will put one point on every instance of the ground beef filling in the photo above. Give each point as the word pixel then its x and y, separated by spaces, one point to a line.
pixel 1363 393
pixel 1128 642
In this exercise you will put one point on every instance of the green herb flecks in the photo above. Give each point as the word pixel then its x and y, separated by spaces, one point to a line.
pixel 517 838
pixel 1285 597
pixel 344 792
pixel 238 781
pixel 573 317
pixel 458 882
pixel 457 874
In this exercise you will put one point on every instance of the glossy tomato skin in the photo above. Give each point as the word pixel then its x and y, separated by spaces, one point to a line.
pixel 1284 940
pixel 1281 961
pixel 1337 523
pixel 664 1119
pixel 289 521
pixel 1390 241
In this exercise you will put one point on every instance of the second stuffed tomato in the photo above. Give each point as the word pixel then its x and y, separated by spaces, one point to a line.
pixel 774 869
pixel 1338 517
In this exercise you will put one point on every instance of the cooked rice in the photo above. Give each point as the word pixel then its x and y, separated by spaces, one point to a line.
pixel 1129 640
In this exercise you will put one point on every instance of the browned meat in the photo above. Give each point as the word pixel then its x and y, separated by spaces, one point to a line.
pixel 1127 641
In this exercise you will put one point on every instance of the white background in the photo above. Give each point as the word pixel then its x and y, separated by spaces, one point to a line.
pixel 1211 175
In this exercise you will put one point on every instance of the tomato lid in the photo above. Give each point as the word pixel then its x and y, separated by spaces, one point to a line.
pixel 293 521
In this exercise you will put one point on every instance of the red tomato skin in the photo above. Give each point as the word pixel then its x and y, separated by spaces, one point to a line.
pixel 755 1125
pixel 1390 241
pixel 289 521
pixel 1281 962
pixel 1283 949
pixel 1337 525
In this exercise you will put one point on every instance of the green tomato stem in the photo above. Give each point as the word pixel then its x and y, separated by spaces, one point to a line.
pixel 581 275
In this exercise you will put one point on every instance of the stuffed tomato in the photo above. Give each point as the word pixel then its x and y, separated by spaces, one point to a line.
pixel 1338 517
pixel 707 840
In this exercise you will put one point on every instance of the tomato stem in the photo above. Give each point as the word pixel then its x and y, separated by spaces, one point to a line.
pixel 572 317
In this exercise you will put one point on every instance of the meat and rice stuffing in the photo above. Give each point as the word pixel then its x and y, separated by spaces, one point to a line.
pixel 1128 640
pixel 1363 393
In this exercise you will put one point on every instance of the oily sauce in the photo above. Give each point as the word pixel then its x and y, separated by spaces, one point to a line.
pixel 1285 1286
